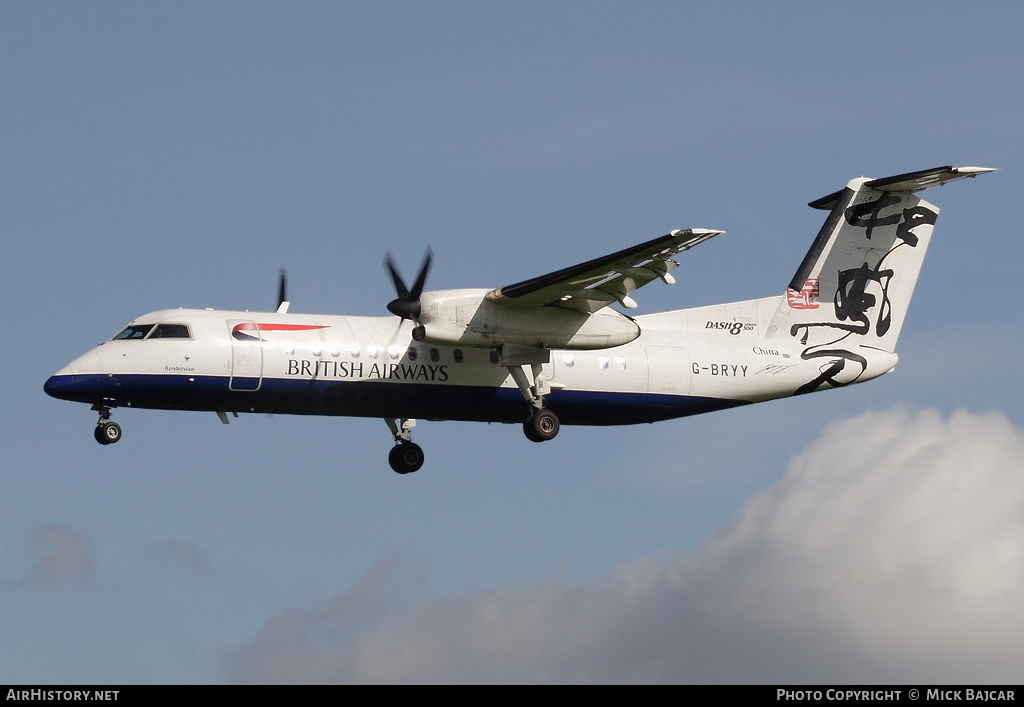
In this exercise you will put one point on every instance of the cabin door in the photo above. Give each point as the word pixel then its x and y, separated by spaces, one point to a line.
pixel 668 370
pixel 246 355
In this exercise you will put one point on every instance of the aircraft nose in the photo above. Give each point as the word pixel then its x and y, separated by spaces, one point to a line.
pixel 61 385
pixel 72 381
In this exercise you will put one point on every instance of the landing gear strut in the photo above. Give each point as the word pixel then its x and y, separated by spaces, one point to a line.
pixel 406 456
pixel 542 424
pixel 106 432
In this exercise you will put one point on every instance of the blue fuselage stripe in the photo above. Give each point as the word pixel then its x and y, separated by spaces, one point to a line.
pixel 371 399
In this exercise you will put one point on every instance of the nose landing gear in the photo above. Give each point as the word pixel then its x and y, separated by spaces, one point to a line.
pixel 106 432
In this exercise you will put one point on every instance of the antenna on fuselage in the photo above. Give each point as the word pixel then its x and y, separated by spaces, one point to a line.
pixel 282 300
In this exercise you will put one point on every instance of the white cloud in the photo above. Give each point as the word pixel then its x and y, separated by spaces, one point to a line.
pixel 891 551
pixel 62 555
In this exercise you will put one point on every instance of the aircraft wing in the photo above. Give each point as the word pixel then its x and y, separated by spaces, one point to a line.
pixel 595 284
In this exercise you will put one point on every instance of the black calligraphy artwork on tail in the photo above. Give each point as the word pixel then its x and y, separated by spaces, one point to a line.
pixel 858 310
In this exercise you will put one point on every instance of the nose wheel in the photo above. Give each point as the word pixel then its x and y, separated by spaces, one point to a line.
pixel 106 432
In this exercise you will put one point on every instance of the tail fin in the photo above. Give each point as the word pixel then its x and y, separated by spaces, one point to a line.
pixel 857 278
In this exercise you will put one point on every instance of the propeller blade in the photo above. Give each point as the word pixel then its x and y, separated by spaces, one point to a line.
pixel 282 299
pixel 397 332
pixel 396 277
pixel 417 289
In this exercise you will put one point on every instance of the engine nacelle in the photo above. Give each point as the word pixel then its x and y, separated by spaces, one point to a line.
pixel 467 318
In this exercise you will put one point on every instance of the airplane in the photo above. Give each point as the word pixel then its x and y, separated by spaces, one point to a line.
pixel 545 351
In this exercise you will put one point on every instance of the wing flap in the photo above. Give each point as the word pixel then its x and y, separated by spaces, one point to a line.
pixel 595 284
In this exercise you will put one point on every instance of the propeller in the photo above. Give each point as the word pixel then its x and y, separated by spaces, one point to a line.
pixel 282 299
pixel 407 304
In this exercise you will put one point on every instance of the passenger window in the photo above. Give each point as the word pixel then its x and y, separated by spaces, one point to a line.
pixel 133 331
pixel 171 331
pixel 413 353
pixel 435 355
pixel 457 353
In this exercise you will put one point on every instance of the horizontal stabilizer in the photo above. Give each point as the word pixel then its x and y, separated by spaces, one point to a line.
pixel 910 182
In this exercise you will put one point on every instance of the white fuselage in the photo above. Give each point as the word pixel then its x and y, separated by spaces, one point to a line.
pixel 683 362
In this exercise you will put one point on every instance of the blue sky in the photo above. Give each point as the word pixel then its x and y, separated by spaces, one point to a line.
pixel 159 155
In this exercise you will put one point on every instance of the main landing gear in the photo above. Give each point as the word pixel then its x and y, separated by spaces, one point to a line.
pixel 406 456
pixel 542 424
pixel 106 432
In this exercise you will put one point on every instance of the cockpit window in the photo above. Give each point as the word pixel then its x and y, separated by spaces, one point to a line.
pixel 171 331
pixel 133 331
